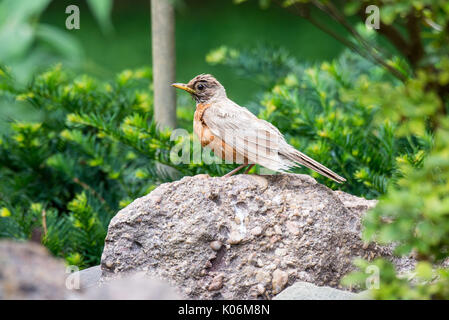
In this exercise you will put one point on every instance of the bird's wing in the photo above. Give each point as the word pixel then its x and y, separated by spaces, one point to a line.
pixel 255 139
pixel 258 140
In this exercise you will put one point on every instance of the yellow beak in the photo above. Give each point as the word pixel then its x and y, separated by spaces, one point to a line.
pixel 183 87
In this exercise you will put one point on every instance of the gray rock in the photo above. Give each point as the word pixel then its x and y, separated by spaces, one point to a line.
pixel 131 287
pixel 89 277
pixel 355 204
pixel 28 271
pixel 275 230
pixel 308 291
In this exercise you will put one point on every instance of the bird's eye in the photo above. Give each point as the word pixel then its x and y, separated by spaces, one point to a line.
pixel 200 86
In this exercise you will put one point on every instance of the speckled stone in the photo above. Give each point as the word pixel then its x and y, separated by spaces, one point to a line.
pixel 285 222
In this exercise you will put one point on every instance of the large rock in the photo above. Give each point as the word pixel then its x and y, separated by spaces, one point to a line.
pixel 241 237
pixel 28 271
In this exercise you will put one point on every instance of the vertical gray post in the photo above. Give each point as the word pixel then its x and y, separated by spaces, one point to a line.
pixel 163 48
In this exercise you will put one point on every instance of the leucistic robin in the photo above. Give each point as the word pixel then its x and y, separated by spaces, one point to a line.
pixel 237 135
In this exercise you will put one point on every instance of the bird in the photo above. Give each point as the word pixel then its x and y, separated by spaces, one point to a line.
pixel 237 135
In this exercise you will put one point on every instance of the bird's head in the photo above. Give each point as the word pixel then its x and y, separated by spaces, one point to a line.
pixel 203 88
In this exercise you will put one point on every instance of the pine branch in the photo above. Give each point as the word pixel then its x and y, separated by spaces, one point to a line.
pixel 333 12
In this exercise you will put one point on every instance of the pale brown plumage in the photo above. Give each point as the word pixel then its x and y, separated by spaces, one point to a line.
pixel 237 135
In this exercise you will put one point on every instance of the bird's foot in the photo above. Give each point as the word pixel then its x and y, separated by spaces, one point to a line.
pixel 234 171
pixel 249 168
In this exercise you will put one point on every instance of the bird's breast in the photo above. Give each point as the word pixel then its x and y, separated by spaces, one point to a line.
pixel 199 112
pixel 207 138
pixel 199 127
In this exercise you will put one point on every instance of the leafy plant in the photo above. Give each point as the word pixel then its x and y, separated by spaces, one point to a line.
pixel 69 174
pixel 94 151
pixel 28 43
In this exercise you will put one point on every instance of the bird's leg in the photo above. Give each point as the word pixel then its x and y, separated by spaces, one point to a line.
pixel 249 168
pixel 235 170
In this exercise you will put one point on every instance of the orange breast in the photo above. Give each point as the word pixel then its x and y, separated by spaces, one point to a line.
pixel 199 127
pixel 207 139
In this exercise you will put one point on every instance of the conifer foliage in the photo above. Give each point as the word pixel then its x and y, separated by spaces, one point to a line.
pixel 93 152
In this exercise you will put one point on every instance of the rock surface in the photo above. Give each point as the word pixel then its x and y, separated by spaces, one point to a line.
pixel 308 291
pixel 133 287
pixel 89 277
pixel 243 237
pixel 28 271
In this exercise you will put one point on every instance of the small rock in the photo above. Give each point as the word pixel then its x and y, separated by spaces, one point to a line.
pixel 217 283
pixel 260 289
pixel 109 264
pixel 256 231
pixel 269 232
pixel 157 199
pixel 263 276
pixel 216 245
pixel 261 181
pixel 278 229
pixel 274 239
pixel 292 227
pixel 280 252
pixel 251 259
pixel 280 279
pixel 235 237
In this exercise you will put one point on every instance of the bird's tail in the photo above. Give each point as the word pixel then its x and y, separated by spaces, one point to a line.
pixel 299 157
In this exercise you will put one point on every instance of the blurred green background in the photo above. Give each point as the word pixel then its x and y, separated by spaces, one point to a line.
pixel 200 27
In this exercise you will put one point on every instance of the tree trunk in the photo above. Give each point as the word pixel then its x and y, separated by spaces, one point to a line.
pixel 163 48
